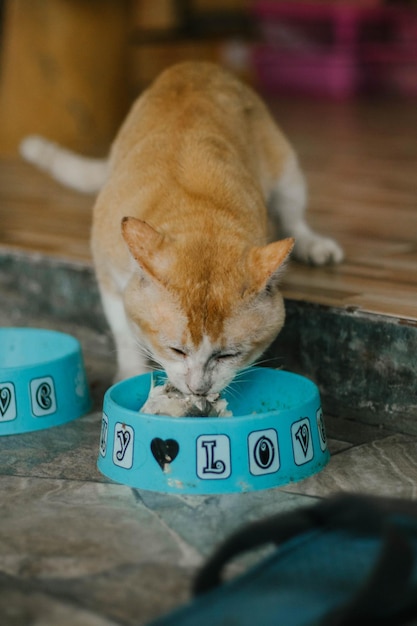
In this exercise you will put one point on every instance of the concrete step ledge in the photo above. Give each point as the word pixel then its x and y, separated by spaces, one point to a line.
pixel 365 365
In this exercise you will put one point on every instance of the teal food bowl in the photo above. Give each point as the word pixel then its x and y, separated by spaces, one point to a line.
pixel 276 436
pixel 42 380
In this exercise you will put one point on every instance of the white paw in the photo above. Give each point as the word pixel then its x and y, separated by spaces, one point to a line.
pixel 317 250
pixel 32 148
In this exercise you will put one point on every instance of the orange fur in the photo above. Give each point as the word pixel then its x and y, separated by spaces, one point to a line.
pixel 180 227
pixel 190 172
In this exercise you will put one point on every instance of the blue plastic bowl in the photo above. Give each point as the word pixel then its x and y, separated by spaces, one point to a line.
pixel 42 380
pixel 276 436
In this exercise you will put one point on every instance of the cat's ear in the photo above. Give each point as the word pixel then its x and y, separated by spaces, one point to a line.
pixel 268 262
pixel 148 247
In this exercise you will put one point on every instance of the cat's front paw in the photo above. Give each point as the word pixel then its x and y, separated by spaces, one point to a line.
pixel 37 150
pixel 317 250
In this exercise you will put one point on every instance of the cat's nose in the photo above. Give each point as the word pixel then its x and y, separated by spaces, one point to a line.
pixel 199 390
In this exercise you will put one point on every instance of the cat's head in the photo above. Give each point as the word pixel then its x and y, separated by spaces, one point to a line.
pixel 204 311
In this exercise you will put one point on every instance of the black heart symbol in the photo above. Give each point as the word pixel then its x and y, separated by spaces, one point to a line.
pixel 5 399
pixel 164 451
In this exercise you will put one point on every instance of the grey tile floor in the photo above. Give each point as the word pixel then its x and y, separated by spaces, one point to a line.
pixel 78 550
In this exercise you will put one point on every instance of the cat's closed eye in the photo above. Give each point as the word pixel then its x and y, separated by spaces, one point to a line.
pixel 178 351
pixel 227 355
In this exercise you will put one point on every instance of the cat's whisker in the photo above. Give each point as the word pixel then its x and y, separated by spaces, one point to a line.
pixel 148 354
pixel 238 385
pixel 231 391
pixel 240 373
pixel 238 380
pixel 134 352
pixel 270 361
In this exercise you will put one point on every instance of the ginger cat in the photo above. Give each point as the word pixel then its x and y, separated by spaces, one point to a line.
pixel 180 228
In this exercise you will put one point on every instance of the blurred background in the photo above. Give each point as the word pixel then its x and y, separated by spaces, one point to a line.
pixel 70 68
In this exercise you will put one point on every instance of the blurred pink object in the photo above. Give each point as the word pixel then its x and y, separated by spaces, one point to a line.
pixel 335 49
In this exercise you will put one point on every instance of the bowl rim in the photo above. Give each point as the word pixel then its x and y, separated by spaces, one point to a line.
pixel 67 345
pixel 110 402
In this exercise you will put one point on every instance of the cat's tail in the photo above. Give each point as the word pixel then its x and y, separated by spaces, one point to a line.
pixel 84 174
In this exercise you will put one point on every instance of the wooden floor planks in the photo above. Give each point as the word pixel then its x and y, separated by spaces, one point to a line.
pixel 360 160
